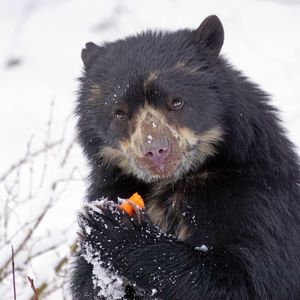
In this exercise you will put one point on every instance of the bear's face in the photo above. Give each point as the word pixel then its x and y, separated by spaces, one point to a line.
pixel 153 102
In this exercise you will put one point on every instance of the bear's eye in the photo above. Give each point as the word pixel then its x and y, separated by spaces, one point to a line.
pixel 121 115
pixel 177 104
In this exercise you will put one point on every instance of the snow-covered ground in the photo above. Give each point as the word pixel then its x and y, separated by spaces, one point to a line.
pixel 40 43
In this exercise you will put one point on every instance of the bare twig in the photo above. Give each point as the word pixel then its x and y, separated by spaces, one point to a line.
pixel 67 152
pixel 51 190
pixel 13 271
pixel 29 234
pixel 27 157
pixel 43 289
pixel 34 289
pixel 47 141
pixel 64 131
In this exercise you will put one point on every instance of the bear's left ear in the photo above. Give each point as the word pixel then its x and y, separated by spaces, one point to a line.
pixel 211 34
pixel 90 53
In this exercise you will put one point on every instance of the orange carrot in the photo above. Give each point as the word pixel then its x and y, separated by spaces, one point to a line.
pixel 136 200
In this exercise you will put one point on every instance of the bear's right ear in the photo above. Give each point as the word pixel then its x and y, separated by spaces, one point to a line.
pixel 210 34
pixel 89 53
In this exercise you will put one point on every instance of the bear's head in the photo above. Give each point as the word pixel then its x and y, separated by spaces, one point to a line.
pixel 151 104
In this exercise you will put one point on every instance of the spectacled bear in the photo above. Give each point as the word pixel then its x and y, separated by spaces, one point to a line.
pixel 165 115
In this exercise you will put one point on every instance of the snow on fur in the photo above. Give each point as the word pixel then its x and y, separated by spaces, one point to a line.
pixel 108 283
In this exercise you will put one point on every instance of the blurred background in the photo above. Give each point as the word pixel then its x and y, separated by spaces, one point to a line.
pixel 42 169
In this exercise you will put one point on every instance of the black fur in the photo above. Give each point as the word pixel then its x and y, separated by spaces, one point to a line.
pixel 246 210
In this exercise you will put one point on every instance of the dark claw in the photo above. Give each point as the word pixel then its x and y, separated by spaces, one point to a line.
pixel 137 212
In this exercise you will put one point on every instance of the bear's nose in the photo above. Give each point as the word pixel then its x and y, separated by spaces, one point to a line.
pixel 156 150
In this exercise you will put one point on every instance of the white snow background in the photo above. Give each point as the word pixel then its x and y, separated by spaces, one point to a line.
pixel 42 168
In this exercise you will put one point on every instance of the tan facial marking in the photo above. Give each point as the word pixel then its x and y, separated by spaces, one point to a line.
pixel 115 157
pixel 208 141
pixel 152 76
pixel 95 92
pixel 187 135
pixel 182 66
pixel 156 122
pixel 179 65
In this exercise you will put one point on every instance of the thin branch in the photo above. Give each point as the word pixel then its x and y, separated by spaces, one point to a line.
pixel 67 153
pixel 21 229
pixel 34 289
pixel 29 234
pixel 26 158
pixel 58 267
pixel 64 131
pixel 47 141
pixel 13 271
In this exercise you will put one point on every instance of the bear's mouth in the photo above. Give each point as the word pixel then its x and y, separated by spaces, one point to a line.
pixel 160 169
pixel 160 156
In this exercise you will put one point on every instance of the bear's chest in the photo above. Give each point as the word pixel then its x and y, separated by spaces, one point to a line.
pixel 181 212
pixel 170 212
